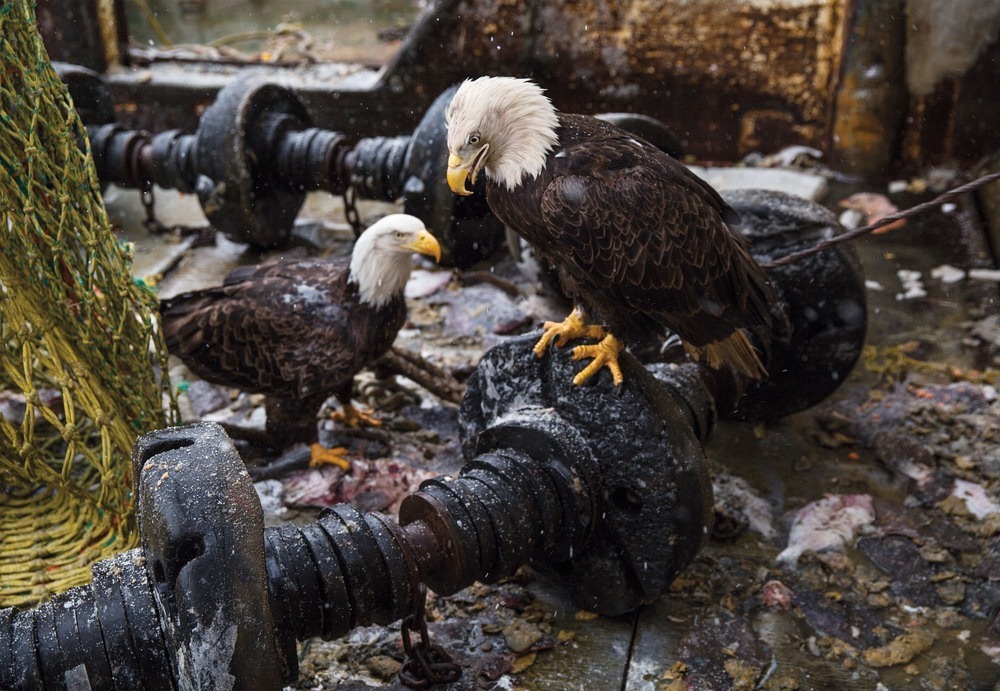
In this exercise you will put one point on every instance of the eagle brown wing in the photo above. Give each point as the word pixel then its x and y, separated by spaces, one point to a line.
pixel 634 229
pixel 287 328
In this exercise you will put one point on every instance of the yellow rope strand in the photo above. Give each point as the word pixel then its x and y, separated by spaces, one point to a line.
pixel 80 350
pixel 892 363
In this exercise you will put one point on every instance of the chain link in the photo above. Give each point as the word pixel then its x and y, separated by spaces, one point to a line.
pixel 351 209
pixel 425 663
pixel 152 223
pixel 205 233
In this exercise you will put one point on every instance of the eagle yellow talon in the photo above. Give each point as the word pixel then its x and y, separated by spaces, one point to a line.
pixel 355 417
pixel 320 455
pixel 605 354
pixel 573 326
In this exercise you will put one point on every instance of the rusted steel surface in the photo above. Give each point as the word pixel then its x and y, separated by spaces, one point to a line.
pixel 988 200
pixel 83 32
pixel 957 120
pixel 728 77
pixel 871 98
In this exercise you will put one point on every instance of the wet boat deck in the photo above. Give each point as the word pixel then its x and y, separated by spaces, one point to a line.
pixel 716 606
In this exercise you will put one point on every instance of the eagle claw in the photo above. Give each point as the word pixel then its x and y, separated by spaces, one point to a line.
pixel 573 326
pixel 320 455
pixel 605 354
pixel 354 417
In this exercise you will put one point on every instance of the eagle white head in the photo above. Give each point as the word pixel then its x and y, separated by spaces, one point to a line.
pixel 501 125
pixel 382 257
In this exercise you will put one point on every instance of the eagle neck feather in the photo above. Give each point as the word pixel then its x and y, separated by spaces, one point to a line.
pixel 380 276
pixel 525 133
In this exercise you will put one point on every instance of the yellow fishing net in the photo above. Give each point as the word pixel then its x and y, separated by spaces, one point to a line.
pixel 80 352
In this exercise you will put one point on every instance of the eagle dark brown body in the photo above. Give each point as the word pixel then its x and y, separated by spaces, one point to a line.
pixel 293 330
pixel 639 241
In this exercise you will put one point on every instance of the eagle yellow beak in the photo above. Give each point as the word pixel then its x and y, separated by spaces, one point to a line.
pixel 458 173
pixel 425 244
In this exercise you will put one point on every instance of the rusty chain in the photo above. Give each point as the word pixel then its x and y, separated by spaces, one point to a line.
pixel 425 663
pixel 205 233
pixel 152 224
pixel 351 209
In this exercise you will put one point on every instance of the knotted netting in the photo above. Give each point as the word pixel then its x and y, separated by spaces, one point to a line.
pixel 80 351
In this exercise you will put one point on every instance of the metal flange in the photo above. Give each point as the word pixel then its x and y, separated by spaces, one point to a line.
pixel 239 191
pixel 649 497
pixel 201 524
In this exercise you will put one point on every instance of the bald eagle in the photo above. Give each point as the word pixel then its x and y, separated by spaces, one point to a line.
pixel 299 330
pixel 640 243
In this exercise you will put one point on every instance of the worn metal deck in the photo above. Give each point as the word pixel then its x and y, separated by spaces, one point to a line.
pixel 718 627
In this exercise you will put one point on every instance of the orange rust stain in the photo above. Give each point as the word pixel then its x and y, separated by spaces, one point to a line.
pixel 789 51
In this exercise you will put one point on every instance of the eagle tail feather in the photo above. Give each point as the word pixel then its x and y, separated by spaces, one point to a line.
pixel 735 350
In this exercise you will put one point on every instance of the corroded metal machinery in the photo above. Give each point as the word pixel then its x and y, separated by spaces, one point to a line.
pixel 874 85
pixel 604 488
pixel 255 155
pixel 212 594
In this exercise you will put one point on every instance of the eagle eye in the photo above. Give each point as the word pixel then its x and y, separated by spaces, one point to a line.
pixel 473 139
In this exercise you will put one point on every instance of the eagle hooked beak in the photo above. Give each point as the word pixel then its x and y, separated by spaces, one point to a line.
pixel 459 171
pixel 425 244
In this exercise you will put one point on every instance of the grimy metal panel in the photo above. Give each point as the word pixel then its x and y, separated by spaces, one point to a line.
pixel 728 77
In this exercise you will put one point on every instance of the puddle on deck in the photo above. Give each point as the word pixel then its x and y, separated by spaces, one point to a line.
pixel 782 461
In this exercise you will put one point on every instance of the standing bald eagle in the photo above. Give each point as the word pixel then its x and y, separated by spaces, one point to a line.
pixel 640 242
pixel 299 330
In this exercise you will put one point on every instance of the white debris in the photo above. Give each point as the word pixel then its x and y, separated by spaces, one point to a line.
pixel 736 494
pixel 946 273
pixel 985 275
pixel 827 524
pixel 505 683
pixel 948 208
pixel 851 218
pixel 918 472
pixel 912 285
pixel 269 492
pixel 992 651
pixel 792 155
pixel 872 284
pixel 976 500
pixel 808 185
pixel 898 186
pixel 257 419
pixel 423 283
pixel 204 658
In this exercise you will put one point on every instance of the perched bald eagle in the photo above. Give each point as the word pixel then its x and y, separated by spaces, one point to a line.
pixel 299 330
pixel 640 243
